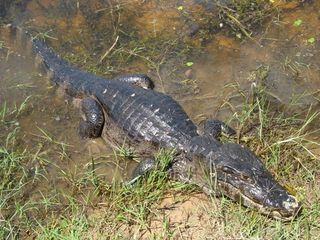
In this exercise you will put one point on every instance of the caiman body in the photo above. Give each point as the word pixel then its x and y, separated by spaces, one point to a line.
pixel 145 115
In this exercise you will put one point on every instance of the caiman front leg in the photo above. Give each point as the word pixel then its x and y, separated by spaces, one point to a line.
pixel 215 128
pixel 144 166
pixel 93 118
pixel 184 168
pixel 190 169
pixel 138 79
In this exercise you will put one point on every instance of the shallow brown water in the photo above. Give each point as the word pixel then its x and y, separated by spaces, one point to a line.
pixel 83 31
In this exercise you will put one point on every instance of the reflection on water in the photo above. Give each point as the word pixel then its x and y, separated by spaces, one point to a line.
pixel 163 39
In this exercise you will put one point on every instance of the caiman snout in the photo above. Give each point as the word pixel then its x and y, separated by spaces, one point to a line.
pixel 291 204
pixel 242 176
pixel 288 210
pixel 272 198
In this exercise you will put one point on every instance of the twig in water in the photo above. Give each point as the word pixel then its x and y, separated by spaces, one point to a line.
pixel 109 50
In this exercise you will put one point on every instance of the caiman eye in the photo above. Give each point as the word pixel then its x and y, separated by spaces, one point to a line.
pixel 246 178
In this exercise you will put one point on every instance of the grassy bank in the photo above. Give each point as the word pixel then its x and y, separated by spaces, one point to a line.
pixel 85 206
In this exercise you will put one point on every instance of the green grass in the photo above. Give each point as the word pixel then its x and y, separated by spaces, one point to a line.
pixel 84 205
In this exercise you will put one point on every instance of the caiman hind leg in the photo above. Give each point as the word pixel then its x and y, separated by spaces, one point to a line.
pixel 137 79
pixel 215 128
pixel 93 119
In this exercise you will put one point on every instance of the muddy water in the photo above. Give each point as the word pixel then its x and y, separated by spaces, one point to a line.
pixel 83 31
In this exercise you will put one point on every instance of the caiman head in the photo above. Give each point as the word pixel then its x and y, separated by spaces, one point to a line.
pixel 240 175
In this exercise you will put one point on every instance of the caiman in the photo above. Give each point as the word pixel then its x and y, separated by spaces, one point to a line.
pixel 129 104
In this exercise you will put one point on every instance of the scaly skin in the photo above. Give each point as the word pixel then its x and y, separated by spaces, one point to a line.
pixel 146 115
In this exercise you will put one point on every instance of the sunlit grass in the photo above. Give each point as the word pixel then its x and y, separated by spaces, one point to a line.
pixel 90 204
pixel 79 203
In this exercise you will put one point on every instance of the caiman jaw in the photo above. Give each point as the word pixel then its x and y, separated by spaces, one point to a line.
pixel 288 211
pixel 241 176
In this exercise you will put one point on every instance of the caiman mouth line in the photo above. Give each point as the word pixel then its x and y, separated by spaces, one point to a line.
pixel 234 193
